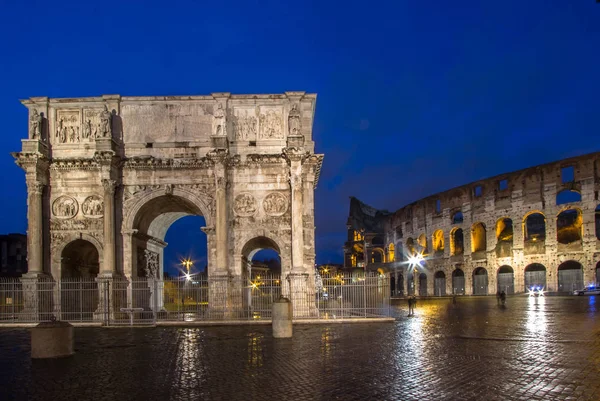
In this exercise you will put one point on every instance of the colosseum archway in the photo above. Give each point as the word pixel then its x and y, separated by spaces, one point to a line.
pixel 534 233
pixel 438 242
pixel 478 238
pixel 423 285
pixel 439 287
pixel 506 279
pixel 504 238
pixel 535 277
pixel 458 282
pixel 570 276
pixel 480 281
pixel 569 230
pixel 457 242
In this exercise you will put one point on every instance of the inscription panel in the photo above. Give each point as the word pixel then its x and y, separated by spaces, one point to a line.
pixel 166 122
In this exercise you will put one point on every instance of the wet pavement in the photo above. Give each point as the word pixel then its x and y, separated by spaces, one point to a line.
pixel 533 349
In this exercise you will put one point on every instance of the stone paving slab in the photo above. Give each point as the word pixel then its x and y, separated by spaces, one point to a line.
pixel 533 349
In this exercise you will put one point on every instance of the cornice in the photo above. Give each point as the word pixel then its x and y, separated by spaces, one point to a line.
pixel 27 159
pixel 152 163
pixel 74 164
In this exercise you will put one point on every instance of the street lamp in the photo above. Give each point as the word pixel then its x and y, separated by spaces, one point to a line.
pixel 414 262
pixel 187 263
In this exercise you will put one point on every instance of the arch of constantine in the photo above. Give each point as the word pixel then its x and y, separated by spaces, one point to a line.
pixel 537 228
pixel 107 176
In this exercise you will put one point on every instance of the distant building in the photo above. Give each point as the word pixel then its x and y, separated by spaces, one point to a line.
pixel 13 255
pixel 365 227
pixel 536 229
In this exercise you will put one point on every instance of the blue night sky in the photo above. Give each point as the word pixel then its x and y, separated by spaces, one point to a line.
pixel 413 97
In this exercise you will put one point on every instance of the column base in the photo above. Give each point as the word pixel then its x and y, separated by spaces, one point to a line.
pixel 37 297
pixel 106 295
pixel 301 292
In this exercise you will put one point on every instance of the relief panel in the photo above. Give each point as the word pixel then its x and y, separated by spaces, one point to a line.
pixel 67 126
pixel 245 124
pixel 271 123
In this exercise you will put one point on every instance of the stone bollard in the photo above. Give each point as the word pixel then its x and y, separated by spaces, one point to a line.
pixel 282 318
pixel 52 340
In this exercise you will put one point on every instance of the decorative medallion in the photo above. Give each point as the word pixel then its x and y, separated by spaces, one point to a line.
pixel 65 207
pixel 244 205
pixel 275 204
pixel 93 207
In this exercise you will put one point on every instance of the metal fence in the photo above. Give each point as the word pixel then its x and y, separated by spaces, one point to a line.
pixel 147 301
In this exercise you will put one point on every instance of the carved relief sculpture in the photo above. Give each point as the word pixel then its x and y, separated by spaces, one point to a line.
pixel 87 129
pixel 275 204
pixel 35 125
pixel 92 206
pixel 294 123
pixel 65 207
pixel 271 125
pixel 244 205
pixel 148 263
pixel 245 126
pixel 67 126
pixel 105 123
pixel 219 121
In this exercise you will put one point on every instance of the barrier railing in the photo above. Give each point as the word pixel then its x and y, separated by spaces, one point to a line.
pixel 120 301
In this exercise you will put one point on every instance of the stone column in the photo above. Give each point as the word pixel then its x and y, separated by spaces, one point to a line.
pixel 108 267
pixel 105 277
pixel 221 221
pixel 297 214
pixel 33 302
pixel 34 230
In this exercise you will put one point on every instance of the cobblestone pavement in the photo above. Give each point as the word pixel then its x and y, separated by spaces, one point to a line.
pixel 533 349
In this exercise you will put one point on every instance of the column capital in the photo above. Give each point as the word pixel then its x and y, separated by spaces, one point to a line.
pixel 218 156
pixel 295 154
pixel 35 187
pixel 109 186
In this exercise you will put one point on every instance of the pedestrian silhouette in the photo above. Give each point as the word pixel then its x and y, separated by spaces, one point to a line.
pixel 503 297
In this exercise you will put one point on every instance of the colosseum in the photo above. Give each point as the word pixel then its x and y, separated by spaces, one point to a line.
pixel 537 228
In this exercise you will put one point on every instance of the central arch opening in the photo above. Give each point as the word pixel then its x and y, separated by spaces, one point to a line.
pixel 168 243
pixel 158 253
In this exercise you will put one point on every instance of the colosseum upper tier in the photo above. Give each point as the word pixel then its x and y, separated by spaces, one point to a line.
pixel 537 228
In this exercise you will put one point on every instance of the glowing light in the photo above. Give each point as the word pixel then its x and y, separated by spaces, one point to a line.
pixel 541 292
pixel 188 277
pixel 415 260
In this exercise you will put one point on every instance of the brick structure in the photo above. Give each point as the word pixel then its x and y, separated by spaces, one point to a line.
pixel 536 227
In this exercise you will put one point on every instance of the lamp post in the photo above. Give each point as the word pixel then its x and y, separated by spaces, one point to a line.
pixel 413 262
pixel 187 263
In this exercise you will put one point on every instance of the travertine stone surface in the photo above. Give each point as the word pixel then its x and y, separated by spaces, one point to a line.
pixel 117 171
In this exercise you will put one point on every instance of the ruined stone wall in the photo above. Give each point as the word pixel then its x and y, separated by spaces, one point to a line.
pixel 484 204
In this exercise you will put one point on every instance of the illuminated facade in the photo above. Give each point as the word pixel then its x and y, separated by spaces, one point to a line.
pixel 538 227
